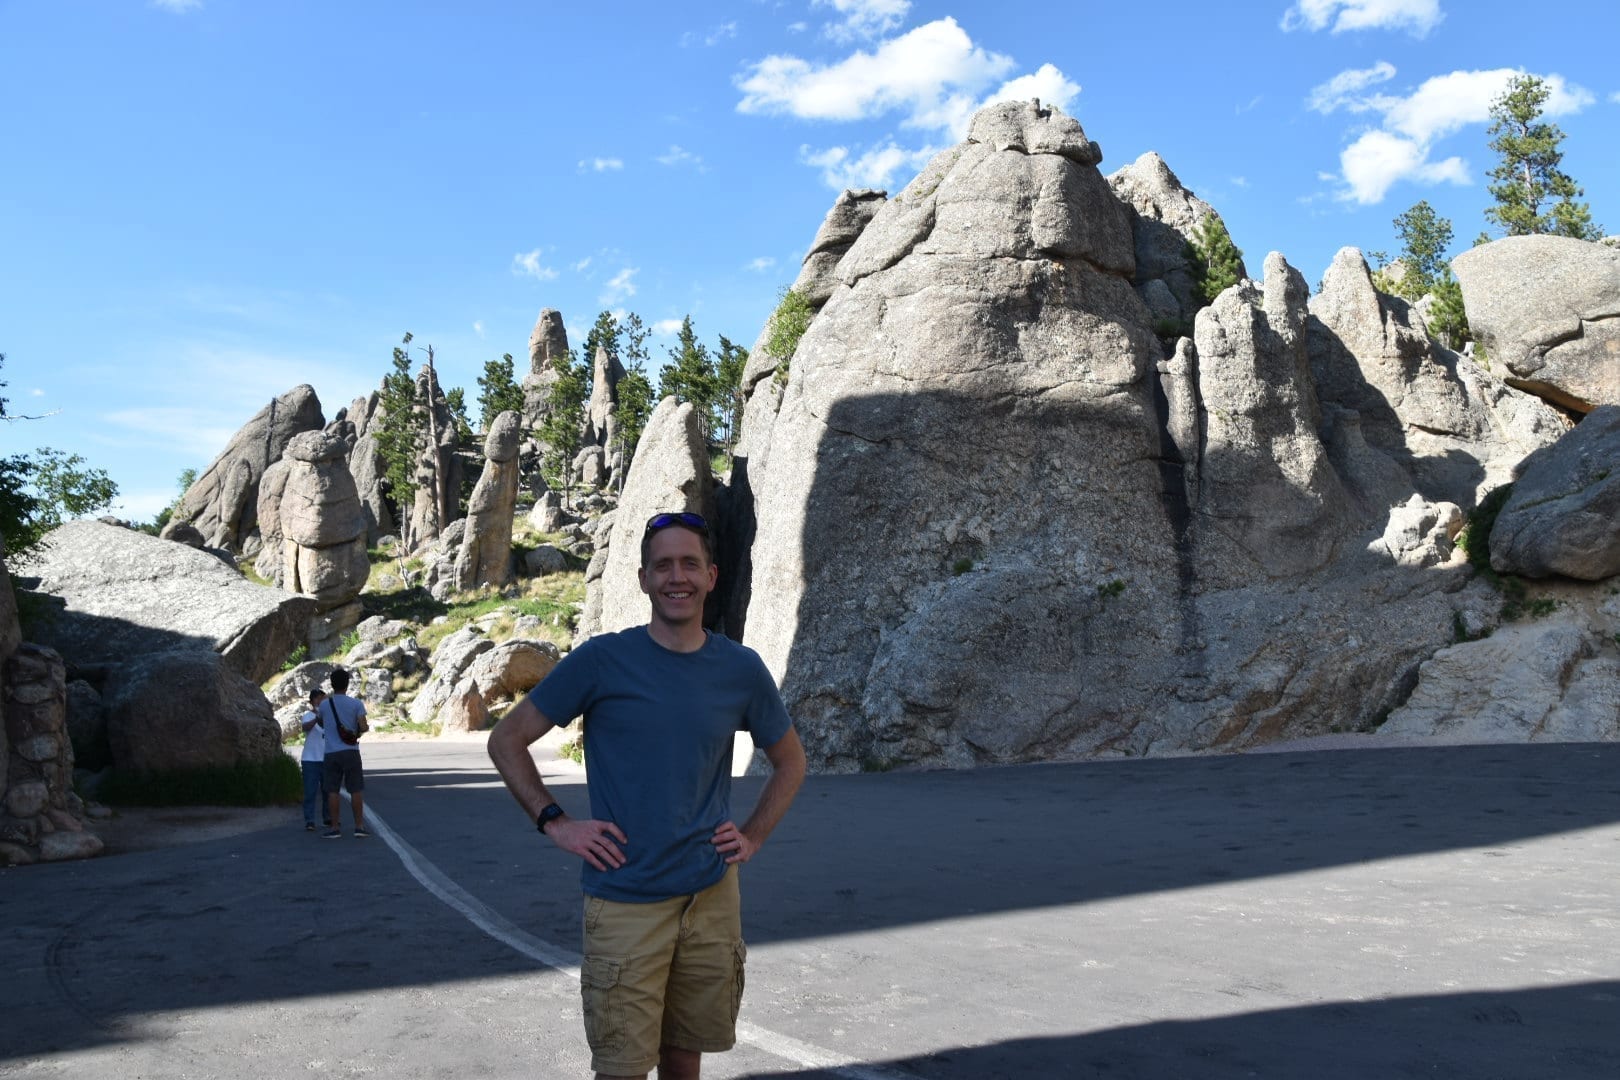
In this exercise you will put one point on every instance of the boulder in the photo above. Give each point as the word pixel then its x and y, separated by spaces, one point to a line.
pixel 87 726
pixel 1545 309
pixel 367 467
pixel 1564 514
pixel 186 709
pixel 545 559
pixel 450 661
pixel 670 472
pixel 125 594
pixel 222 502
pixel 1420 533
pixel 183 532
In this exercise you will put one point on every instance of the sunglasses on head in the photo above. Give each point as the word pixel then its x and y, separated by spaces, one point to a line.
pixel 690 521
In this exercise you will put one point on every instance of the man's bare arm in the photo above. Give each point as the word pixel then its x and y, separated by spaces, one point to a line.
pixel 786 756
pixel 509 744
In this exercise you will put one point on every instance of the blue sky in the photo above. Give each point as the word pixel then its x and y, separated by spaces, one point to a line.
pixel 206 202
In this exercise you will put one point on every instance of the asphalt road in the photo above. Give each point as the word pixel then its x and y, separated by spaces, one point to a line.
pixel 1446 912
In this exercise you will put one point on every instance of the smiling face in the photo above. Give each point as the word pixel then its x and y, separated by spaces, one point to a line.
pixel 678 577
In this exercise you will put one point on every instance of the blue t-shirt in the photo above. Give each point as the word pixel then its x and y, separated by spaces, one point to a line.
pixel 348 712
pixel 659 727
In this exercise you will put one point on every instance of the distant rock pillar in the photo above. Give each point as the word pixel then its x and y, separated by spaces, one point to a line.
pixel 324 535
pixel 485 557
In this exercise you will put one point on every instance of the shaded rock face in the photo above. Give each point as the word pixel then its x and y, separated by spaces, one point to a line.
pixel 1547 308
pixel 669 472
pixel 1401 412
pixel 223 501
pixel 438 469
pixel 1164 218
pixel 40 816
pixel 1564 514
pixel 996 522
pixel 485 556
pixel 126 594
pixel 186 710
pixel 367 467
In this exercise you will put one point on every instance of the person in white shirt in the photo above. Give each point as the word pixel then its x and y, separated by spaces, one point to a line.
pixel 313 762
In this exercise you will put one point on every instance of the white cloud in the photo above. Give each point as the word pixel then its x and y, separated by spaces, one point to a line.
pixel 478 327
pixel 1240 181
pixel 875 168
pixel 1341 91
pixel 680 156
pixel 926 73
pixel 1417 17
pixel 1615 97
pixel 667 327
pixel 620 286
pixel 528 265
pixel 1401 148
pixel 1047 83
pixel 600 164
pixel 713 37
pixel 177 7
pixel 761 264
pixel 36 392
pixel 583 265
pixel 864 18
pixel 797 27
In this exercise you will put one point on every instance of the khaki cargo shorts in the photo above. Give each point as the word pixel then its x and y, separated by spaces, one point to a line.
pixel 666 973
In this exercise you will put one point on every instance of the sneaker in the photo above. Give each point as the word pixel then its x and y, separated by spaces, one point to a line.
pixel 331 834
pixel 360 831
pixel 309 826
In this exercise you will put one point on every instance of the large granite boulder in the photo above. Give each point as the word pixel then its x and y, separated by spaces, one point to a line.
pixel 1564 514
pixel 670 472
pixel 485 556
pixel 1547 310
pixel 186 709
pixel 222 502
pixel 323 527
pixel 125 594
pixel 498 676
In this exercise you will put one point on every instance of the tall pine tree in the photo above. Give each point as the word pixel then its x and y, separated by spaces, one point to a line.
pixel 1528 177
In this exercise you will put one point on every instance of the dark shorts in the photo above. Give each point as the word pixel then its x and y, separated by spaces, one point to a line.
pixel 343 770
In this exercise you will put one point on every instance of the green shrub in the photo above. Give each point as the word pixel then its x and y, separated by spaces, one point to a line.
pixel 786 326
pixel 278 781
pixel 1476 535
pixel 296 657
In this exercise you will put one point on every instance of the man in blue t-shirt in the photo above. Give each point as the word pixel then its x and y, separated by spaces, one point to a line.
pixel 662 974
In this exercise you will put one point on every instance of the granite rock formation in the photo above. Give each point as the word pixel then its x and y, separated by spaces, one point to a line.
pixel 485 557
pixel 1563 516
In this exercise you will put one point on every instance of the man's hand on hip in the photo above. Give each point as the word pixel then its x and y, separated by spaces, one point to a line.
pixel 733 843
pixel 590 839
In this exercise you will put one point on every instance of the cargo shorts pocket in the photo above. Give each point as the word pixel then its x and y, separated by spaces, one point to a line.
pixel 604 1018
pixel 739 964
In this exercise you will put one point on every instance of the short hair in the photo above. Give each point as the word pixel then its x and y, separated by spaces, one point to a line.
pixel 340 680
pixel 692 523
pixel 315 694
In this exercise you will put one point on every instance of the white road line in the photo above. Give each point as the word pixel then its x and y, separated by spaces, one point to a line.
pixel 434 880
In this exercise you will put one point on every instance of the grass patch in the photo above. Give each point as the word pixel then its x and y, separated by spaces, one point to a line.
pixel 573 749
pixel 1109 590
pixel 296 657
pixel 551 599
pixel 277 782
pixel 961 566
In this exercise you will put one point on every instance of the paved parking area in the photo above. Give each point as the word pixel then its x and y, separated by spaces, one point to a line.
pixel 1411 912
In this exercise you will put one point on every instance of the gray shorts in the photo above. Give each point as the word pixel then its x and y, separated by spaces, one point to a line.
pixel 343 769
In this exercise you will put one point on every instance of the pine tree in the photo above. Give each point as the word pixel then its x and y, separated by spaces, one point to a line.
pixel 498 390
pixel 1447 319
pixel 563 431
pixel 399 435
pixel 635 391
pixel 1425 236
pixel 690 376
pixel 1217 262
pixel 728 396
pixel 1529 176
pixel 603 335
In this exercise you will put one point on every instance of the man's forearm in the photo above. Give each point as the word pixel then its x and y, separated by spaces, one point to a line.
pixel 774 799
pixel 509 749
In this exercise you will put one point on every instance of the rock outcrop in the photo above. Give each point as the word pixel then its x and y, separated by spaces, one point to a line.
pixel 485 557
pixel 367 467
pixel 124 594
pixel 548 344
pixel 222 502
pixel 1547 309
pixel 997 522
pixel 1165 217
pixel 323 529
pixel 186 709
pixel 1564 514
pixel 438 467
pixel 670 472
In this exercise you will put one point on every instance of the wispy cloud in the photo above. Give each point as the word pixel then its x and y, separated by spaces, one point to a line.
pixel 864 18
pixel 620 287
pixel 680 156
pixel 601 164
pixel 478 327
pixel 1402 146
pixel 1248 106
pixel 528 265
pixel 667 327
pixel 177 7
pixel 583 265
pixel 711 37
pixel 761 264
pixel 875 168
pixel 1416 17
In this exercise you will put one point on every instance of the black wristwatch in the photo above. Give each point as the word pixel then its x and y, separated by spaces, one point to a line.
pixel 547 816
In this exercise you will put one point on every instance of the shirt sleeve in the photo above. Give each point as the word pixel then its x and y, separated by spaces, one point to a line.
pixel 767 718
pixel 570 687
